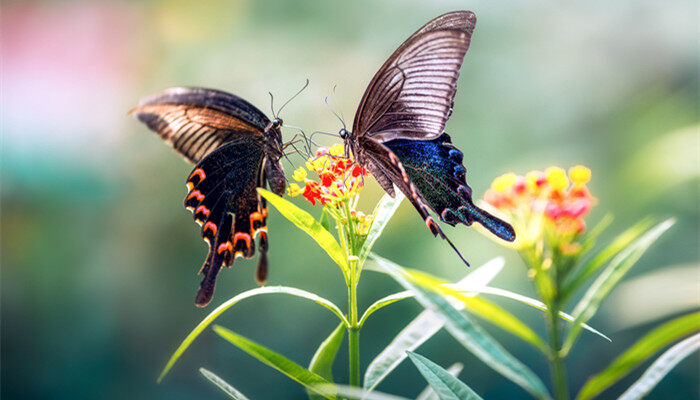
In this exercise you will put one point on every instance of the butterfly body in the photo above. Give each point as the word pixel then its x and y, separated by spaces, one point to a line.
pixel 398 131
pixel 236 149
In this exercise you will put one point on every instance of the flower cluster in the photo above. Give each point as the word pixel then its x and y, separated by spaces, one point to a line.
pixel 548 202
pixel 339 178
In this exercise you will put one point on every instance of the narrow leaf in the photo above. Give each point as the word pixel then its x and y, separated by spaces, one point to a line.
pixel 308 224
pixel 231 302
pixel 383 302
pixel 422 328
pixel 322 361
pixel 470 335
pixel 639 352
pixel 662 366
pixel 277 361
pixel 222 384
pixel 429 394
pixel 611 275
pixel 353 392
pixel 325 219
pixel 385 210
pixel 443 383
pixel 576 279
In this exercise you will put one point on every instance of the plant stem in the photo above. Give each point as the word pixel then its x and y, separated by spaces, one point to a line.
pixel 353 335
pixel 556 360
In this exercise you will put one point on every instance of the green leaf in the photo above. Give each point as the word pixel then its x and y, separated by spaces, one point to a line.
pixel 382 214
pixel 383 302
pixel 662 366
pixel 480 307
pixel 222 384
pixel 525 300
pixel 593 234
pixel 611 275
pixel 429 394
pixel 322 361
pixel 354 392
pixel 325 219
pixel 443 383
pixel 231 302
pixel 308 224
pixel 639 352
pixel 470 335
pixel 278 362
pixel 422 328
pixel 579 276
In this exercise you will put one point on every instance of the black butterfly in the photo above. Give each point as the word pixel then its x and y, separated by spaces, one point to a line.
pixel 398 131
pixel 236 149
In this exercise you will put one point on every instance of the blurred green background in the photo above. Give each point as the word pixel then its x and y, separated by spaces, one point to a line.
pixel 99 257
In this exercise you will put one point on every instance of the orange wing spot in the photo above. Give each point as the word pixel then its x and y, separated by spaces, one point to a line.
pixel 413 193
pixel 203 210
pixel 261 231
pixel 190 186
pixel 242 236
pixel 403 174
pixel 210 225
pixel 432 226
pixel 189 208
pixel 238 254
pixel 199 172
pixel 392 157
pixel 225 247
pixel 196 194
pixel 264 212
pixel 256 216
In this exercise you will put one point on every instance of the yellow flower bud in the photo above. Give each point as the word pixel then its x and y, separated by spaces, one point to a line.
pixel 556 177
pixel 531 180
pixel 579 175
pixel 337 150
pixel 299 174
pixel 294 190
pixel 504 182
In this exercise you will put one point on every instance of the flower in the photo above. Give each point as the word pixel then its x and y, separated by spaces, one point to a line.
pixel 549 203
pixel 339 178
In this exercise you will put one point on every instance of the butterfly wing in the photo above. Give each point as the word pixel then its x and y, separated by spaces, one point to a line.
pixel 195 121
pixel 435 168
pixel 412 94
pixel 223 198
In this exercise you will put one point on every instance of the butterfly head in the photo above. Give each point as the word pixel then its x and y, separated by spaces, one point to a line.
pixel 345 134
pixel 277 122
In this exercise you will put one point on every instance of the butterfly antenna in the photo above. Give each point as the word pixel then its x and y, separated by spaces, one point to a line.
pixel 292 98
pixel 307 146
pixel 272 105
pixel 335 113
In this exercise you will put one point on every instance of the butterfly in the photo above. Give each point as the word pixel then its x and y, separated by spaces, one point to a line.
pixel 398 130
pixel 236 149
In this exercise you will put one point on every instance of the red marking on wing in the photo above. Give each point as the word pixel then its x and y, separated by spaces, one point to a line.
pixel 255 217
pixel 264 212
pixel 197 171
pixel 203 210
pixel 431 225
pixel 225 247
pixel 196 194
pixel 210 225
pixel 242 236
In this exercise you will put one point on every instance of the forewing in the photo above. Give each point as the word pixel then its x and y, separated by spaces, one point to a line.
pixel 195 121
pixel 223 198
pixel 412 94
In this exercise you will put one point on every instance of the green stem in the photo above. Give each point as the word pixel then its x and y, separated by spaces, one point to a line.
pixel 353 335
pixel 556 360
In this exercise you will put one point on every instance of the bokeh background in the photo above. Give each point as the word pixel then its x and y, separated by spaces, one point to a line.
pixel 99 257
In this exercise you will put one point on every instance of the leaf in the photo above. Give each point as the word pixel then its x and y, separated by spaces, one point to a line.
pixel 422 328
pixel 278 362
pixel 443 383
pixel 525 300
pixel 222 384
pixel 470 335
pixel 611 275
pixel 429 394
pixel 662 366
pixel 383 302
pixel 579 276
pixel 231 302
pixel 639 352
pixel 593 234
pixel 322 361
pixel 354 392
pixel 308 224
pixel 480 307
pixel 386 208
pixel 325 220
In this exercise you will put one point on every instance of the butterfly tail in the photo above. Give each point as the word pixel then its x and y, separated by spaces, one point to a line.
pixel 495 225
